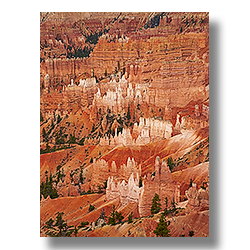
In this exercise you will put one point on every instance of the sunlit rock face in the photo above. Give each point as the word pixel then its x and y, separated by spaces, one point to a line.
pixel 162 184
pixel 117 90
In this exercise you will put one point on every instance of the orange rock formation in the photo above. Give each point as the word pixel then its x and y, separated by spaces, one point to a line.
pixel 125 98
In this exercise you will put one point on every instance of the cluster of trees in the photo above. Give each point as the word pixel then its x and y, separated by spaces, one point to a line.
pixel 62 141
pixel 59 176
pixel 162 227
pixel 154 22
pixel 156 206
pixel 126 119
pixel 101 189
pixel 79 52
pixel 45 134
pixel 93 38
pixel 49 149
pixel 60 228
pixel 48 189
pixel 115 217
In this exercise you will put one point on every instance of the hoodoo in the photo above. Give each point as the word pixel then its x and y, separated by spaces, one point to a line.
pixel 124 124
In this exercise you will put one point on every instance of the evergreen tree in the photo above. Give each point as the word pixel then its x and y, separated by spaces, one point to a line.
pixel 170 163
pixel 52 125
pixel 162 228
pixel 130 220
pixel 190 183
pixel 112 218
pixel 102 215
pixel 140 182
pixel 128 114
pixel 58 119
pixel 166 208
pixel 81 142
pixel 48 189
pixel 72 139
pixel 60 228
pixel 91 208
pixel 93 128
pixel 49 223
pixel 81 178
pixel 191 233
pixel 166 202
pixel 60 223
pixel 156 205
pixel 44 135
pixel 105 184
pixel 41 117
pixel 59 176
pixel 47 148
pixel 119 216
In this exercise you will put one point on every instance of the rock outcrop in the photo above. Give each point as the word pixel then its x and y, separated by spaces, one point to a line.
pixel 198 200
pixel 126 192
pixel 116 90
pixel 100 171
pixel 150 129
pixel 162 184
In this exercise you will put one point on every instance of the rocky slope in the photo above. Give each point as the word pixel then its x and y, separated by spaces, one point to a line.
pixel 124 115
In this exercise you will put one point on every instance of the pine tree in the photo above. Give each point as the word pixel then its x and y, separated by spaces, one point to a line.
pixel 48 189
pixel 41 117
pixel 81 178
pixel 170 163
pixel 44 135
pixel 156 205
pixel 128 114
pixel 140 182
pixel 119 216
pixel 59 176
pixel 112 218
pixel 162 228
pixel 190 183
pixel 130 220
pixel 166 208
pixel 52 125
pixel 166 202
pixel 60 223
pixel 58 118
pixel 60 228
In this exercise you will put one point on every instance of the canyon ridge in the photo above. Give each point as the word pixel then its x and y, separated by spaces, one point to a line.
pixel 124 124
